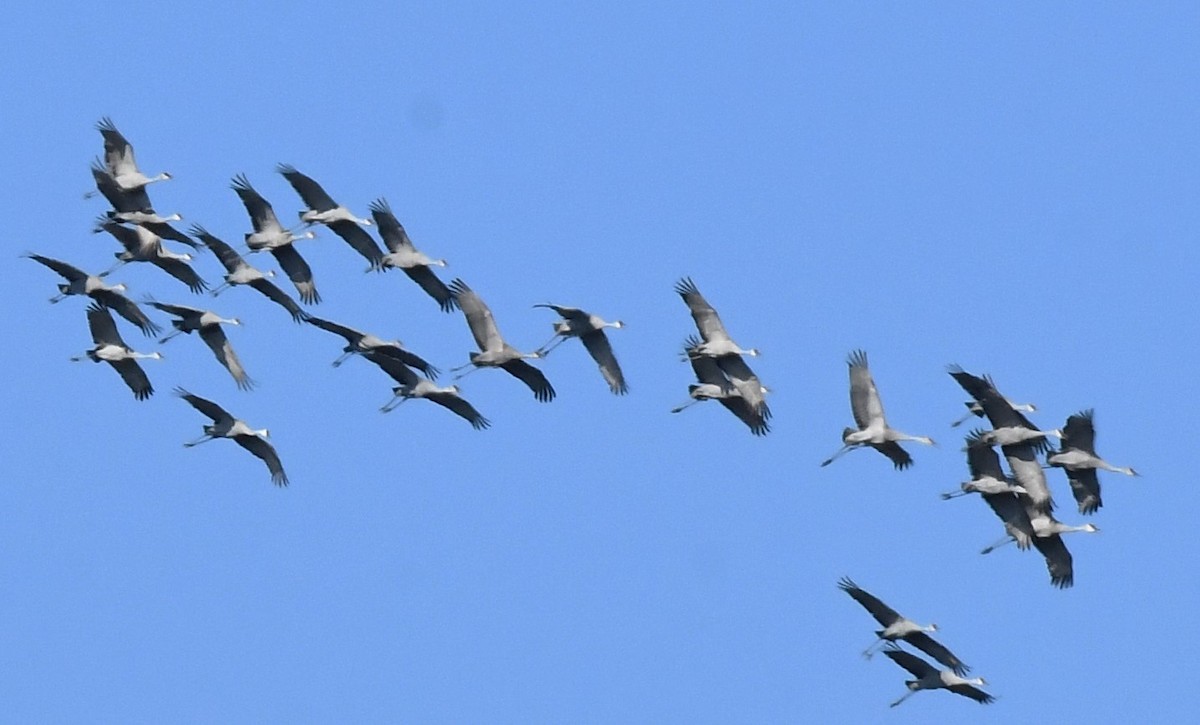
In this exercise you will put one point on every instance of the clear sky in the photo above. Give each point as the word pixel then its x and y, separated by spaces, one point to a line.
pixel 1009 187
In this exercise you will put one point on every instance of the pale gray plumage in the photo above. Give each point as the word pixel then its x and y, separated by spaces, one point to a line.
pixel 873 429
pixel 402 254
pixel 494 351
pixel 225 425
pixel 239 272
pixel 208 324
pixel 91 285
pixel 589 329
pixel 110 348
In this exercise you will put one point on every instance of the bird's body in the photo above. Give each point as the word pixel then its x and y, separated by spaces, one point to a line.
pixel 897 627
pixel 322 209
pixel 410 386
pixel 361 343
pixel 931 678
pixel 270 235
pixel 1021 455
pixel 143 245
pixel 208 324
pixel 494 351
pixel 93 286
pixel 713 384
pixel 225 425
pixel 716 343
pixel 110 348
pixel 1078 458
pixel 589 329
pixel 1048 541
pixel 239 272
pixel 403 254
pixel 119 160
pixel 999 492
pixel 873 429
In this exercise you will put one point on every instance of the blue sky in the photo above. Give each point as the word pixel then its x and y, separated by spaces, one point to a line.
pixel 1011 188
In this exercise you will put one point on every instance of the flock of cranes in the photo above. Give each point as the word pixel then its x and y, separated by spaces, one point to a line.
pixel 1020 498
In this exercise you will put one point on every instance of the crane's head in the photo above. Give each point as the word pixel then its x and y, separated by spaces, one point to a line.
pixel 1090 528
pixel 978 681
pixel 931 628
pixel 119 287
pixel 263 433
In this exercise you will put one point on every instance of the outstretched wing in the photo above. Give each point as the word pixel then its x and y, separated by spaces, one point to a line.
pixel 462 408
pixel 216 340
pixel 899 457
pixel 532 377
pixel 914 664
pixel 128 309
pixel 358 238
pixel 279 297
pixel 205 406
pixel 479 317
pixel 102 327
pixel 69 272
pixel 298 272
pixel 230 260
pixel 1058 560
pixel 266 452
pixel 262 215
pixel 601 351
pixel 706 318
pixel 310 191
pixel 882 613
pixel 118 152
pixel 864 396
pixel 936 650
pixel 433 286
pixel 1085 487
pixel 1080 432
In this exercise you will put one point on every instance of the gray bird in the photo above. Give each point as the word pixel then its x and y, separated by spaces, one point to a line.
pixel 239 272
pixel 110 348
pixel 322 209
pixel 82 283
pixel 225 425
pixel 360 343
pixel 402 254
pixel 1078 458
pixel 1021 454
pixel 930 678
pixel 713 384
pixel 119 160
pixel 270 235
pixel 589 329
pixel 998 491
pixel 412 386
pixel 1048 541
pixel 873 429
pixel 716 343
pixel 494 351
pixel 208 324
pixel 143 245
pixel 897 627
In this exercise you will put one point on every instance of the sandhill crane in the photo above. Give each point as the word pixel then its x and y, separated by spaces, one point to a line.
pixel 873 429
pixel 1048 541
pixel 270 235
pixel 590 330
pixel 82 283
pixel 714 385
pixel 240 272
pixel 322 209
pixel 495 352
pixel 1021 454
pixel 358 342
pixel 225 425
pixel 974 409
pixel 931 678
pixel 133 207
pixel 412 386
pixel 988 479
pixel 897 627
pixel 208 324
pixel 143 245
pixel 119 160
pixel 717 344
pixel 1078 457
pixel 110 348
pixel 403 255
